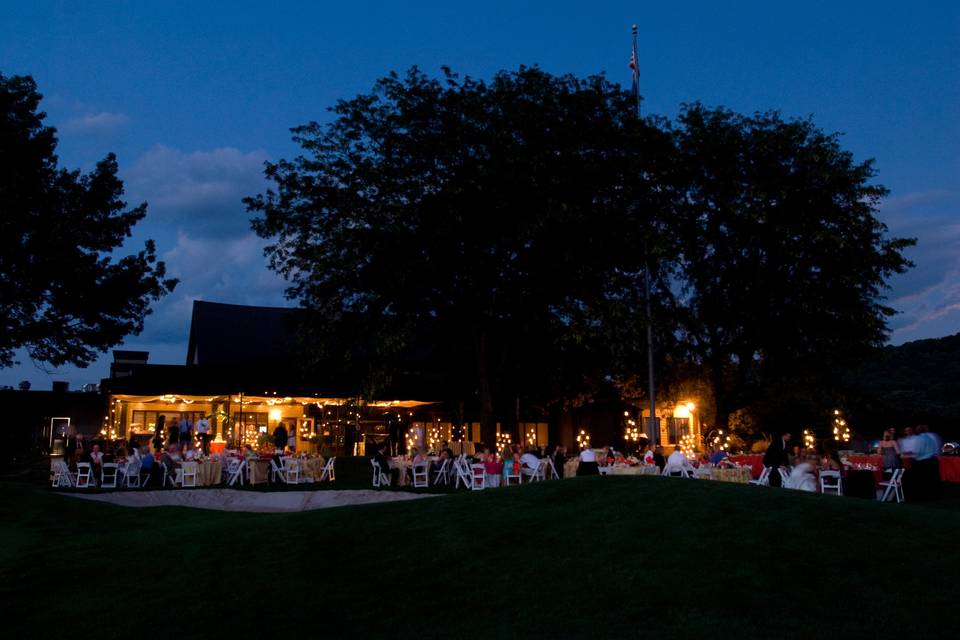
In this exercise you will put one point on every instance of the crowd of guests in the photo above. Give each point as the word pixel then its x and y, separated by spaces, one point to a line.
pixel 916 451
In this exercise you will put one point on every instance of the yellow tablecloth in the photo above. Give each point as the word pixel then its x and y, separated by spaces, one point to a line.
pixel 570 467
pixel 311 469
pixel 258 470
pixel 742 475
pixel 208 473
pixel 639 470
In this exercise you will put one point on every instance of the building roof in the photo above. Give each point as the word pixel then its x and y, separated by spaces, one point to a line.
pixel 240 335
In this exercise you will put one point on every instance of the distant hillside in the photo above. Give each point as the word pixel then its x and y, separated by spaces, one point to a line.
pixel 915 382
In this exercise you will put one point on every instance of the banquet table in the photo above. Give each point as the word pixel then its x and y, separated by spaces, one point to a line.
pixel 208 473
pixel 741 475
pixel 258 470
pixel 638 470
pixel 311 469
pixel 950 468
pixel 753 460
pixel 402 465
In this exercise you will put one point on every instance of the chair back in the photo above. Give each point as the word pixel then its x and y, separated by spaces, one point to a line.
pixel 131 477
pixel 84 475
pixel 830 482
pixel 478 476
pixel 189 473
pixel 108 475
pixel 328 473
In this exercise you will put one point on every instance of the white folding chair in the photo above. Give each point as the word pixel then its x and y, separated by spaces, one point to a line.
pixel 290 470
pixel 421 475
pixel 380 479
pixel 442 474
pixel 764 479
pixel 328 473
pixel 108 475
pixel 276 473
pixel 62 476
pixel 675 472
pixel 479 477
pixel 188 474
pixel 784 478
pixel 131 477
pixel 893 486
pixel 462 474
pixel 831 482
pixel 531 474
pixel 235 469
pixel 84 475
pixel 175 480
pixel 551 469
pixel 508 477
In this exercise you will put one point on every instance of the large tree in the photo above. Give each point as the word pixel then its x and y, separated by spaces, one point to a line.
pixel 784 263
pixel 494 224
pixel 62 295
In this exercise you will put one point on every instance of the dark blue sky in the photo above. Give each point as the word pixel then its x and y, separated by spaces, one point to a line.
pixel 193 97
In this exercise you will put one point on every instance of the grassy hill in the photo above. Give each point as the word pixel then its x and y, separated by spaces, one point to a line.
pixel 592 557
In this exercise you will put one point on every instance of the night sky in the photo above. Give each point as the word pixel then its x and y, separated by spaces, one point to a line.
pixel 193 99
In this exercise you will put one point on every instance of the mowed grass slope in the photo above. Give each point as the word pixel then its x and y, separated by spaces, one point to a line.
pixel 592 557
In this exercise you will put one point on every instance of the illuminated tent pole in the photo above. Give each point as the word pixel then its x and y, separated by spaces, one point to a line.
pixel 651 424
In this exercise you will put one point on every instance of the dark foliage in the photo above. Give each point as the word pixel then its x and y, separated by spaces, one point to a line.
pixel 62 296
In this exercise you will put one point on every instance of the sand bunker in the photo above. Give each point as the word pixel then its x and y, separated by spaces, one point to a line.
pixel 232 500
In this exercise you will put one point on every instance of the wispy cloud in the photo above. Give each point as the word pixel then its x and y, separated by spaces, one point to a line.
pixel 99 122
pixel 198 192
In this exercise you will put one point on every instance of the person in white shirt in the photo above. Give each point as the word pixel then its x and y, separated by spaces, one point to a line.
pixel 677 463
pixel 530 461
pixel 588 463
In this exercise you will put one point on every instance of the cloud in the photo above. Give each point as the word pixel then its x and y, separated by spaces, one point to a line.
pixel 199 192
pixel 100 122
pixel 928 296
pixel 231 270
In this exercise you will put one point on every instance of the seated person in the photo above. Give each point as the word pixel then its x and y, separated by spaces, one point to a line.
pixel 677 462
pixel 249 453
pixel 147 466
pixel 191 453
pixel 717 455
pixel 171 459
pixel 380 457
pixel 588 463
pixel 802 477
pixel 831 461
pixel 530 461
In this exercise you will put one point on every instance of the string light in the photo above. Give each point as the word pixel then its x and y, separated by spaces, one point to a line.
pixel 841 432
pixel 809 441
pixel 583 439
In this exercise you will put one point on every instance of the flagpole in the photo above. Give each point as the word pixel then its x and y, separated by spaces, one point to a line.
pixel 652 424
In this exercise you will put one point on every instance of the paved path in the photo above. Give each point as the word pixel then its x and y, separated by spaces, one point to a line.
pixel 233 500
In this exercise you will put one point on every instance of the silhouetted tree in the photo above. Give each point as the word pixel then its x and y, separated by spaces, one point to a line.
pixel 62 296
pixel 784 262
pixel 490 227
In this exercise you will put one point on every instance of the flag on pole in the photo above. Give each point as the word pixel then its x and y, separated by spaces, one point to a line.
pixel 635 64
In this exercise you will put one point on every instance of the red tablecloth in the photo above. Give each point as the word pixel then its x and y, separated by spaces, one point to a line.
pixel 755 460
pixel 950 468
pixel 217 447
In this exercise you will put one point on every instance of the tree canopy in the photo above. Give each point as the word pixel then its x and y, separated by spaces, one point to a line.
pixel 63 296
pixel 499 232
pixel 783 262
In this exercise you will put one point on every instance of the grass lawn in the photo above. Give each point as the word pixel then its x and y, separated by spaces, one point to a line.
pixel 592 557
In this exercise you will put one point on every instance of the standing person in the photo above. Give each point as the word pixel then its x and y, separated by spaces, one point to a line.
pixel 925 463
pixel 776 457
pixel 559 459
pixel 186 432
pixel 889 451
pixel 280 438
pixel 203 432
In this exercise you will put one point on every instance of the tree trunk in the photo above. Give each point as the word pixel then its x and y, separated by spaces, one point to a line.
pixel 488 423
